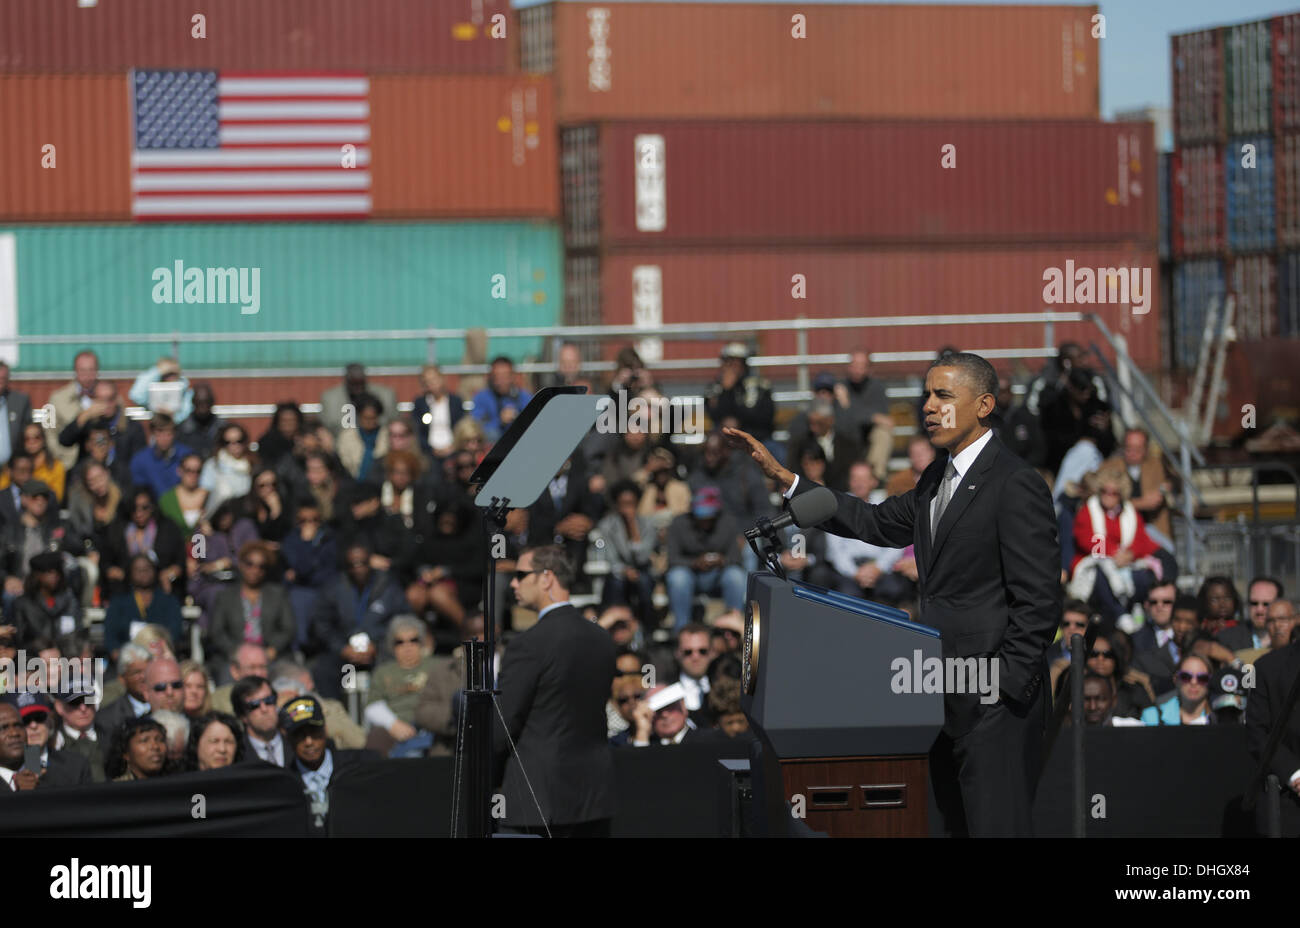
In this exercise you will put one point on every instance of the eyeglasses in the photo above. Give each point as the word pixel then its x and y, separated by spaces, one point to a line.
pixel 258 703
pixel 163 687
pixel 1107 654
pixel 687 652
pixel 407 641
pixel 1186 677
pixel 520 574
pixel 35 718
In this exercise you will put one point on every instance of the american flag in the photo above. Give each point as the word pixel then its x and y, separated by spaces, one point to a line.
pixel 210 145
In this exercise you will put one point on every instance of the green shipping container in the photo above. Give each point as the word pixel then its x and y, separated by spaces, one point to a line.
pixel 237 280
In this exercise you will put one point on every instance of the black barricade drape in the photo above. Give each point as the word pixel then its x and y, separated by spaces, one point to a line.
pixel 253 800
pixel 1175 781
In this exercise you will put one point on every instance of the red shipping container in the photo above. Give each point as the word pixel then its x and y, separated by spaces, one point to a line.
pixel 446 36
pixel 655 289
pixel 463 146
pixel 1253 280
pixel 652 183
pixel 85 172
pixel 1286 72
pixel 716 60
pixel 1286 156
pixel 1197 60
pixel 1198 201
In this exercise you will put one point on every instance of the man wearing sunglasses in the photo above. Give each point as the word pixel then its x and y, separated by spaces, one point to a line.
pixel 79 730
pixel 162 685
pixel 58 768
pixel 1158 612
pixel 256 706
pixel 555 681
pixel 1261 593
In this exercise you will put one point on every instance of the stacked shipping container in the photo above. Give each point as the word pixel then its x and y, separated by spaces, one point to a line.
pixel 449 130
pixel 903 159
pixel 1235 178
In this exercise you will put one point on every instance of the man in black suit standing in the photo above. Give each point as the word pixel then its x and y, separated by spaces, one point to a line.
pixel 988 563
pixel 1274 674
pixel 555 682
pixel 15 413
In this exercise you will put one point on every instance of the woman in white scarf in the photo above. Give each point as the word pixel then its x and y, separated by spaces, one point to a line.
pixel 229 473
pixel 1115 562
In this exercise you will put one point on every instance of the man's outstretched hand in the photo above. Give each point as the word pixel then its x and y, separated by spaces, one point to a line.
pixel 756 450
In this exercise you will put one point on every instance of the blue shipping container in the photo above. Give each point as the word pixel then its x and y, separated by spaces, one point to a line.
pixel 1252 209
pixel 1196 284
pixel 239 280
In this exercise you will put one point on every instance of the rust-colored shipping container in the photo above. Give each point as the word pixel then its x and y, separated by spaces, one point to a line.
pixel 1286 72
pixel 653 289
pixel 66 152
pixel 463 146
pixel 1197 60
pixel 716 60
pixel 1253 279
pixel 1286 158
pixel 649 183
pixel 444 36
pixel 1199 200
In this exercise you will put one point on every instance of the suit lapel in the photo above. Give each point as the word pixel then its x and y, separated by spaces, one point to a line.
pixel 966 489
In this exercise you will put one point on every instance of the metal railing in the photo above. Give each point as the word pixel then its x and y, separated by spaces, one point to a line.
pixel 688 331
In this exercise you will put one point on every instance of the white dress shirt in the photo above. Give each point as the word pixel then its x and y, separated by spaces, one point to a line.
pixel 7 776
pixel 270 751
pixel 960 464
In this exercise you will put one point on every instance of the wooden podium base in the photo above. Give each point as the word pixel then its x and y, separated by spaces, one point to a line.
pixel 861 797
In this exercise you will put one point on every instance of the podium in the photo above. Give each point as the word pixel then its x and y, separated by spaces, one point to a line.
pixel 831 690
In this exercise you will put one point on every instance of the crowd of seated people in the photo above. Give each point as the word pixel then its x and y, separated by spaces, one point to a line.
pixel 348 541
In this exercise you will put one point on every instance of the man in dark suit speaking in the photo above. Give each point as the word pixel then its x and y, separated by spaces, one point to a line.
pixel 555 681
pixel 988 565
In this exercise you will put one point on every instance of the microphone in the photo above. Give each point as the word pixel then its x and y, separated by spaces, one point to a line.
pixel 805 510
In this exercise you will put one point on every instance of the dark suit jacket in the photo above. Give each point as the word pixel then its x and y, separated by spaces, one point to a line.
pixel 335 618
pixel 92 751
pixel 20 413
pixel 420 408
pixel 111 717
pixel 1238 638
pixel 1274 673
pixel 555 682
pixel 226 623
pixel 837 471
pixel 1158 664
pixel 168 546
pixel 66 768
pixel 990 579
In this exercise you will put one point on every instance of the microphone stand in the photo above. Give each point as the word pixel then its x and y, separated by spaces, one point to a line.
pixel 771 558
